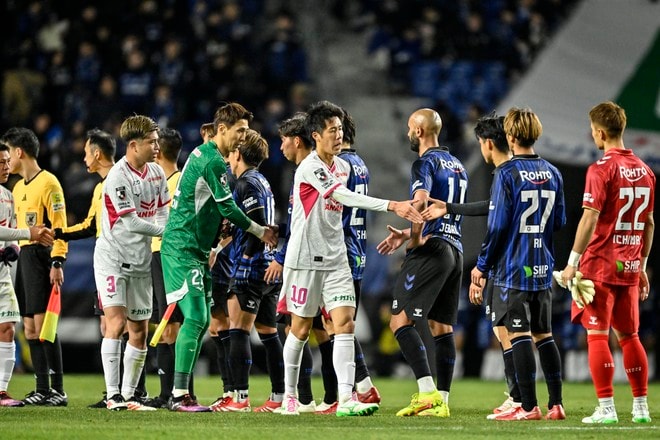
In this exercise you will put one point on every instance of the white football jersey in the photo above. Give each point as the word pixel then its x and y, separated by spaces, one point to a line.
pixel 7 220
pixel 317 235
pixel 127 190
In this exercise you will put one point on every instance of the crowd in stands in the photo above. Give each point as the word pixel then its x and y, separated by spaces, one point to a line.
pixel 462 55
pixel 71 66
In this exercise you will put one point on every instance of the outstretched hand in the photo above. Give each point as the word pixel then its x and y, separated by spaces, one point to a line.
pixel 435 209
pixel 393 241
pixel 406 210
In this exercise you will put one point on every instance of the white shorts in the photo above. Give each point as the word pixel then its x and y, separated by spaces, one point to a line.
pixel 306 291
pixel 8 304
pixel 116 289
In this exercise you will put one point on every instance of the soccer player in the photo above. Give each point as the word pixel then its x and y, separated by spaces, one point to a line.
pixel 296 146
pixel 354 221
pixel 9 313
pixel 135 199
pixel 489 131
pixel 430 279
pixel 38 199
pixel 316 271
pixel 252 301
pixel 169 142
pixel 527 207
pixel 220 265
pixel 612 244
pixel 201 201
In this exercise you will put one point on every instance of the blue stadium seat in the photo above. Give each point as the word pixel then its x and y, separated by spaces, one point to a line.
pixel 425 78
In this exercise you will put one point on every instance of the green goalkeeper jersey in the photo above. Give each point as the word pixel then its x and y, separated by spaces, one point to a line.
pixel 201 201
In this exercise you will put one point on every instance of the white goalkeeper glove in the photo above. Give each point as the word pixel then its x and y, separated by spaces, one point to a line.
pixel 585 287
pixel 582 290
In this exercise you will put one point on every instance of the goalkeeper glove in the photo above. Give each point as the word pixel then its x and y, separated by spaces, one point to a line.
pixel 9 254
pixel 582 290
pixel 585 288
pixel 243 269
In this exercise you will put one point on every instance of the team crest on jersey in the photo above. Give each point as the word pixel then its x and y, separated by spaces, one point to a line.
pixel 31 218
pixel 121 193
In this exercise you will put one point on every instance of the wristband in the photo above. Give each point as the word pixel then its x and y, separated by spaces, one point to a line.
pixel 644 261
pixel 574 259
pixel 217 249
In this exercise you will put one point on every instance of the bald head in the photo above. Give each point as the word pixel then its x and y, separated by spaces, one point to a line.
pixel 428 120
pixel 424 127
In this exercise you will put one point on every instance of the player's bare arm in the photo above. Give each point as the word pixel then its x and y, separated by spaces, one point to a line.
pixel 585 230
pixel 419 202
pixel 649 229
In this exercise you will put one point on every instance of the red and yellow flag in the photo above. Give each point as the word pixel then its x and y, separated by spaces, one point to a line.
pixel 49 327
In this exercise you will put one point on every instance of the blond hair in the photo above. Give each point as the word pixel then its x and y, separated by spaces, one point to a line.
pixel 136 127
pixel 523 125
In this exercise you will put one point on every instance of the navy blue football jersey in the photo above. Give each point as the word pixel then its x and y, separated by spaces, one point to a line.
pixel 526 208
pixel 444 177
pixel 354 220
pixel 253 192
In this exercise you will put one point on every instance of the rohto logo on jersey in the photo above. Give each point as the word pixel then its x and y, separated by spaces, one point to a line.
pixel 536 177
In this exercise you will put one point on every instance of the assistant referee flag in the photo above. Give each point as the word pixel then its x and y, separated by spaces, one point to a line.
pixel 49 327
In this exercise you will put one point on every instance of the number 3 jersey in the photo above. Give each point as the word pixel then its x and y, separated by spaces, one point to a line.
pixel 127 191
pixel 526 207
pixel 622 188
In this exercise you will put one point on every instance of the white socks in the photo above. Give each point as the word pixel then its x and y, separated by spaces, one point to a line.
pixel 7 361
pixel 134 359
pixel 110 357
pixel 292 353
pixel 343 359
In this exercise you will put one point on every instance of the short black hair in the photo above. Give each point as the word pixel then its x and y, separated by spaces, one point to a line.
pixel 23 138
pixel 318 113
pixel 170 143
pixel 492 127
pixel 296 125
pixel 348 125
pixel 103 141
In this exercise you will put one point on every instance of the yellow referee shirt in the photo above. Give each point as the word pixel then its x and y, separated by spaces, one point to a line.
pixel 41 201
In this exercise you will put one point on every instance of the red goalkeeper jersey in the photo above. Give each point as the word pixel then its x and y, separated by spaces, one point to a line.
pixel 622 188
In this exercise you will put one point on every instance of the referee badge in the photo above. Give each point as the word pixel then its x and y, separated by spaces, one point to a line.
pixel 223 179
pixel 31 219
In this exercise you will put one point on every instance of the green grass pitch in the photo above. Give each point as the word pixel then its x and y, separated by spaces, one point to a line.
pixel 470 402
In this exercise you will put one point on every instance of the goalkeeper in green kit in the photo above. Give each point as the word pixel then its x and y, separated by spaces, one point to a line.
pixel 201 201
